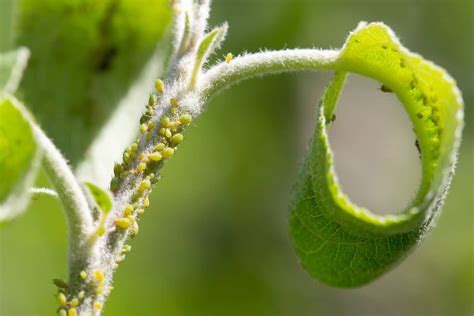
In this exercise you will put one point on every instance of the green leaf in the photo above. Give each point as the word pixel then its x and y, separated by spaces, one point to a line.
pixel 19 158
pixel 102 198
pixel 338 242
pixel 12 65
pixel 86 62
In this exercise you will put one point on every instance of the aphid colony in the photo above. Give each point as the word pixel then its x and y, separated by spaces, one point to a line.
pixel 168 136
pixel 68 305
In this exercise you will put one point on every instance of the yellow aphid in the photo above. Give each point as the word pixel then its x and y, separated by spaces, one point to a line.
pixel 168 133
pixel 156 156
pixel 128 210
pixel 143 128
pixel 97 306
pixel 228 58
pixel 162 131
pixel 168 152
pixel 62 300
pixel 165 121
pixel 174 102
pixel 101 231
pixel 99 276
pixel 173 110
pixel 72 312
pixel 142 155
pixel 159 86
pixel 146 202
pixel 134 229
pixel 83 275
pixel 185 119
pixel 131 218
pixel 141 167
pixel 140 211
pixel 81 295
pixel 172 124
pixel 145 185
pixel 148 137
pixel 122 222
pixel 62 312
pixel 160 147
pixel 74 302
pixel 126 248
pixel 99 290
pixel 152 100
pixel 151 125
pixel 134 147
pixel 176 139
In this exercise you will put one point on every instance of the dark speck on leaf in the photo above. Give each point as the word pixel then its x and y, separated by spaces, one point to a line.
pixel 386 89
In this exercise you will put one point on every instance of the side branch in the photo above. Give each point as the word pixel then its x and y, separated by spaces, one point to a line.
pixel 224 74
pixel 73 199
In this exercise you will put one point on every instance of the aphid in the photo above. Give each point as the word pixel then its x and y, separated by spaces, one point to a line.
pixel 83 275
pixel 162 131
pixel 417 144
pixel 62 300
pixel 128 210
pixel 81 295
pixel 62 312
pixel 159 147
pixel 333 117
pixel 141 167
pixel 151 125
pixel 143 128
pixel 159 86
pixel 114 184
pixel 185 119
pixel 176 139
pixel 174 102
pixel 101 231
pixel 168 133
pixel 134 230
pixel 74 302
pixel 99 276
pixel 168 152
pixel 165 121
pixel 118 168
pixel 156 156
pixel 228 58
pixel 72 312
pixel 144 185
pixel 134 147
pixel 146 202
pixel 126 248
pixel 140 211
pixel 152 100
pixel 60 283
pixel 385 89
pixel 122 222
pixel 97 306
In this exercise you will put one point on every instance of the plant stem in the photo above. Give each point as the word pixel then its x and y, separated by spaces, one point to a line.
pixel 248 66
pixel 77 211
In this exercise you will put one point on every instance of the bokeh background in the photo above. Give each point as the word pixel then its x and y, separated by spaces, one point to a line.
pixel 215 240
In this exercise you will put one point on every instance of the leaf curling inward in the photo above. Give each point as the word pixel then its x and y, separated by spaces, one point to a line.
pixel 19 158
pixel 338 242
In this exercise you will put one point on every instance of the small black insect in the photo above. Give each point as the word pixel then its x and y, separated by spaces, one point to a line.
pixel 417 144
pixel 385 89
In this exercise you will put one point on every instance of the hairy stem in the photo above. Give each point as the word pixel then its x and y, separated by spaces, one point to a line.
pixel 74 202
pixel 248 66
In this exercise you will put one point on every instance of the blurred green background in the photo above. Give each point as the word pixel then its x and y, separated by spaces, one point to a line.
pixel 215 239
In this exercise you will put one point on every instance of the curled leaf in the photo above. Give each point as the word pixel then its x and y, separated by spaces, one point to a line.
pixel 102 198
pixel 345 245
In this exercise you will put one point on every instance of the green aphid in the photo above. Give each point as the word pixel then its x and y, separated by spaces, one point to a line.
pixel 60 283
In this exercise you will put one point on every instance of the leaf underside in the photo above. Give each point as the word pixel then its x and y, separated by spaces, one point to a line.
pixel 338 242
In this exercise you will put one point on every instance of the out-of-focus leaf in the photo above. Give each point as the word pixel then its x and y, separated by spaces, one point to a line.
pixel 85 56
pixel 338 242
pixel 19 158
